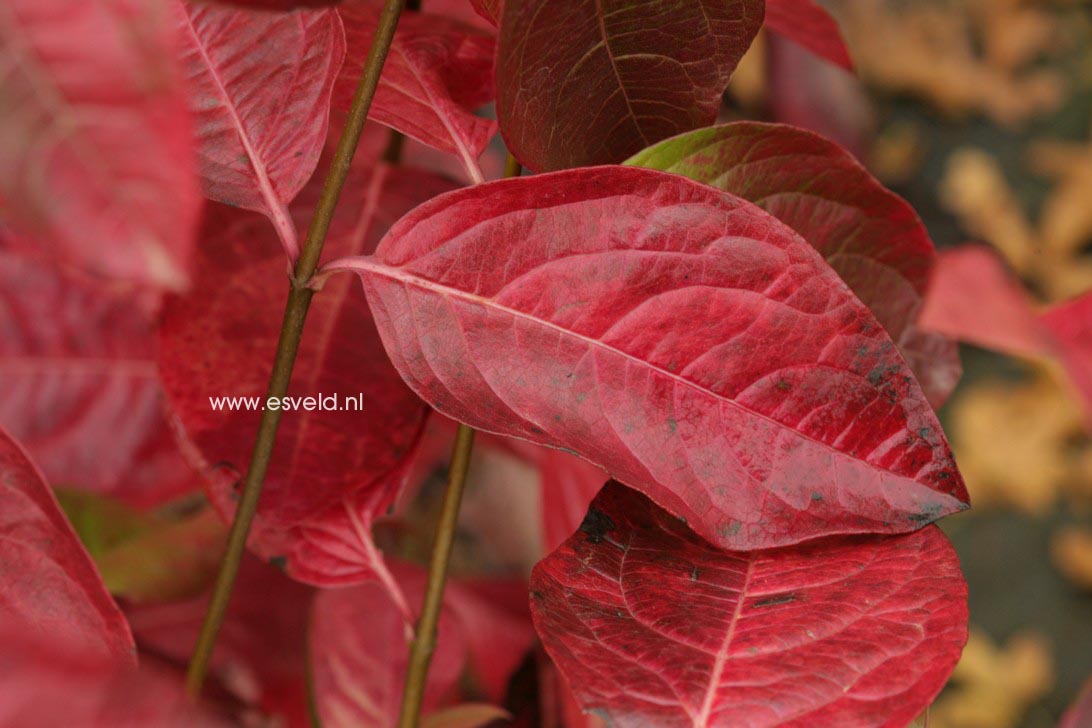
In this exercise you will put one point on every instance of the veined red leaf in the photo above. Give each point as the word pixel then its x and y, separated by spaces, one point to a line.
pixel 869 235
pixel 51 587
pixel 974 299
pixel 45 680
pixel 679 337
pixel 654 626
pixel 807 23
pixel 80 389
pixel 359 654
pixel 496 624
pixel 489 9
pixel 218 342
pixel 261 116
pixel 275 5
pixel 438 71
pixel 261 651
pixel 96 150
pixel 1070 324
pixel 586 82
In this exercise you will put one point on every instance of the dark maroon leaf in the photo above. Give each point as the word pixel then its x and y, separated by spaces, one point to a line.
pixel 218 342
pixel 261 117
pixel 587 82
pixel 654 626
pixel 96 152
pixel 439 70
pixel 807 23
pixel 652 338
pixel 869 235
pixel 51 587
pixel 359 654
pixel 80 388
pixel 45 680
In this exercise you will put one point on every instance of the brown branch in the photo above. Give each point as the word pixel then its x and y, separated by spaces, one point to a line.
pixel 295 312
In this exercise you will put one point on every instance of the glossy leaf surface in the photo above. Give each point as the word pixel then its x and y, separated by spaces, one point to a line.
pixel 80 387
pixel 590 82
pixel 96 151
pixel 437 73
pixel 654 626
pixel 640 319
pixel 219 340
pixel 869 235
pixel 807 23
pixel 50 585
pixel 261 117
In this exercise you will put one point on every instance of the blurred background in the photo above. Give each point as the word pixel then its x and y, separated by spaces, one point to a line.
pixel 979 112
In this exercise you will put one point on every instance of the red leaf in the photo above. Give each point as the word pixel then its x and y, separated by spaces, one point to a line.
pixel 651 337
pixel 496 624
pixel 489 9
pixel 437 73
pixel 807 23
pixel 359 654
pixel 577 85
pixel 96 153
pixel 261 117
pixel 51 587
pixel 283 6
pixel 261 649
pixel 1079 714
pixel 218 341
pixel 869 235
pixel 654 626
pixel 1071 325
pixel 974 299
pixel 80 385
pixel 46 680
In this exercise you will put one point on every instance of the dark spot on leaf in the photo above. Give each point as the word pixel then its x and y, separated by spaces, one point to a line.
pixel 816 496
pixel 281 562
pixel 672 424
pixel 596 525
pixel 774 601
pixel 694 574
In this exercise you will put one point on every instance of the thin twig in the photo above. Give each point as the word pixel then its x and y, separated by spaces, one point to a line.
pixel 295 312
pixel 424 642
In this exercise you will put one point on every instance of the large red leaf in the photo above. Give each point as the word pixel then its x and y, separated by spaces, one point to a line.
pixel 359 654
pixel 973 298
pixel 591 82
pixel 869 235
pixel 807 23
pixel 678 336
pixel 96 152
pixel 45 680
pixel 80 388
pixel 332 471
pixel 50 585
pixel 261 116
pixel 438 71
pixel 489 9
pixel 654 626
pixel 261 650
